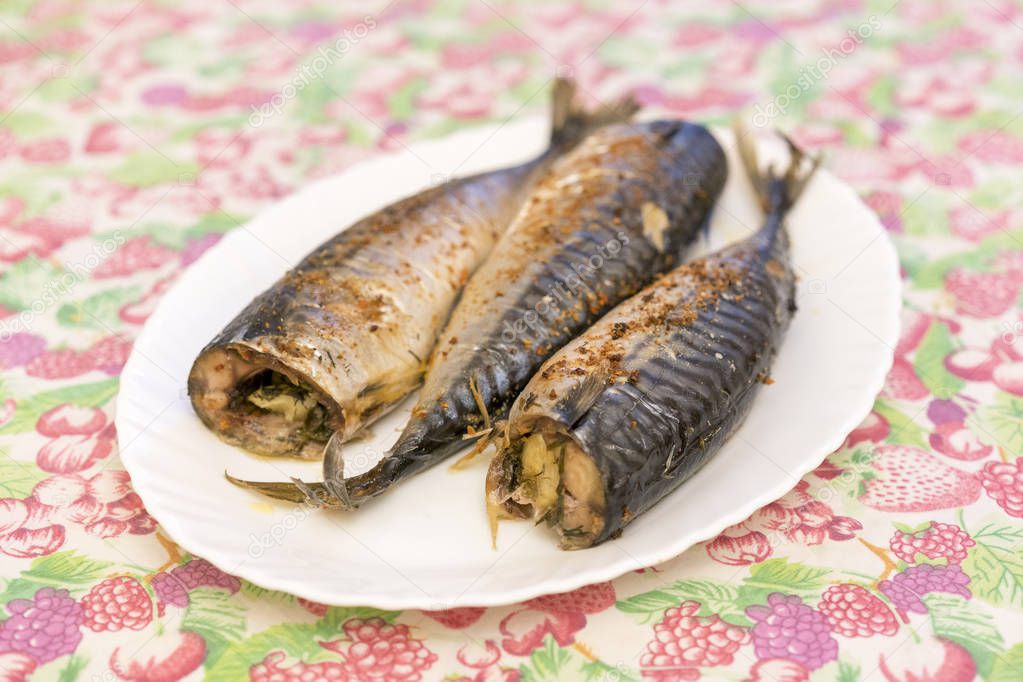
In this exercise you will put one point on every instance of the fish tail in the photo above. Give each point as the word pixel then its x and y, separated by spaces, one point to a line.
pixel 332 492
pixel 775 193
pixel 571 121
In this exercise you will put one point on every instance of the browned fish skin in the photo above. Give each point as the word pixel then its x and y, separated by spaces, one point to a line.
pixel 648 394
pixel 631 195
pixel 353 323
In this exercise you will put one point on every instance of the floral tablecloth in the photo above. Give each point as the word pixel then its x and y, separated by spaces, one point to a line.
pixel 134 134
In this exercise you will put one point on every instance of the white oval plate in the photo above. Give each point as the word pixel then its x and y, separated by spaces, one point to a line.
pixel 426 543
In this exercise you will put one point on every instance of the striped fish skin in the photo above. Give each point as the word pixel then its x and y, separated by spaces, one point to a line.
pixel 345 334
pixel 653 390
pixel 635 195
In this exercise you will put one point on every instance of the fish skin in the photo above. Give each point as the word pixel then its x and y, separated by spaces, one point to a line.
pixel 679 365
pixel 593 197
pixel 356 319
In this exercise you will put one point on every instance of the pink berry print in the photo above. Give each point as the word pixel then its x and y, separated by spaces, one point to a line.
pixel 271 670
pixel 903 383
pixel 982 294
pixel 314 607
pixel 909 479
pixel 588 599
pixel 935 541
pixel 684 641
pixel 1003 482
pixel 166 658
pixel 853 611
pixel 117 603
pixel 70 420
pixel 64 363
pixel 377 650
pixel 457 618
pixel 139 253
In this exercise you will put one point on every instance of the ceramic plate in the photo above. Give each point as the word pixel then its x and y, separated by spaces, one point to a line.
pixel 426 544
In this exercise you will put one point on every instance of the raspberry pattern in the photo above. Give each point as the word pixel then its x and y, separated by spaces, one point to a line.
pixel 271 670
pixel 117 603
pixel 374 650
pixel 683 641
pixel 853 611
pixel 170 590
pixel 201 573
pixel 787 628
pixel 44 627
pixel 905 589
pixel 1003 482
pixel 382 651
pixel 936 541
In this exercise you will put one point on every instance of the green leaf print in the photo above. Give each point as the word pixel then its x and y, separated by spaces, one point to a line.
pixel 263 593
pixel 713 597
pixel 1000 422
pixel 216 616
pixel 30 281
pixel 17 479
pixel 72 669
pixel 932 275
pixel 28 409
pixel 598 671
pixel 881 95
pixel 293 639
pixel 547 664
pixel 1007 666
pixel 930 362
pixel 926 218
pixel 98 311
pixel 848 672
pixel 146 169
pixel 330 625
pixel 995 565
pixel 68 570
pixel 779 575
pixel 955 619
pixel 904 430
pixel 300 641
pixel 402 104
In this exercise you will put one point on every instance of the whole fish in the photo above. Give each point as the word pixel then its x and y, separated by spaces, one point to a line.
pixel 633 407
pixel 602 222
pixel 343 336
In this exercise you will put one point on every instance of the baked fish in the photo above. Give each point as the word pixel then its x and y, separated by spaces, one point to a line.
pixel 343 336
pixel 605 219
pixel 633 407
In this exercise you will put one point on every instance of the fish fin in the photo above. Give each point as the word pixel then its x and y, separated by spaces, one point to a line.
pixel 775 193
pixel 278 490
pixel 571 122
pixel 334 472
pixel 580 398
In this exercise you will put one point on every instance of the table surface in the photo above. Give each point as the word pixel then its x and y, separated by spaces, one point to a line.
pixel 134 134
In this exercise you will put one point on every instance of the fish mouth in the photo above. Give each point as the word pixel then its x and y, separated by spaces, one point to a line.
pixel 545 475
pixel 255 401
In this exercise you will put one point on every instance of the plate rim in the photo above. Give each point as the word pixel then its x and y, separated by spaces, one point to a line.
pixel 176 528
